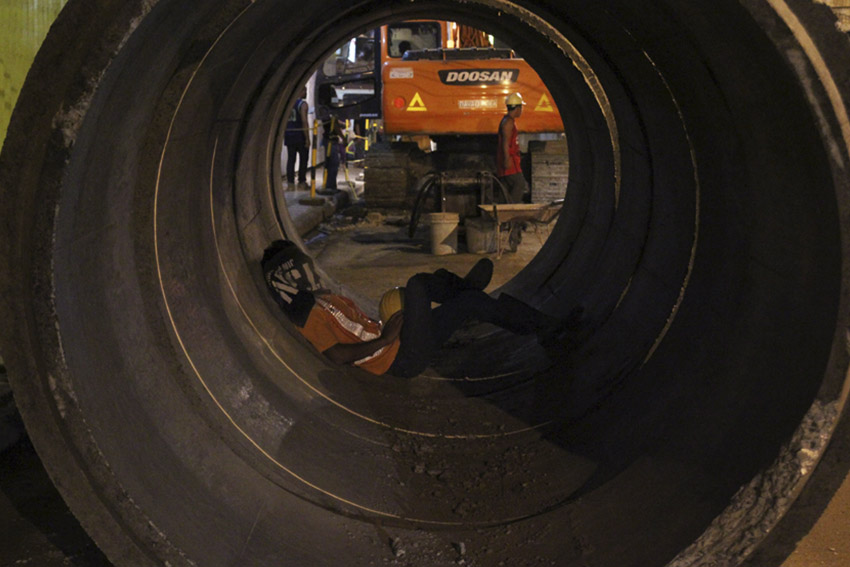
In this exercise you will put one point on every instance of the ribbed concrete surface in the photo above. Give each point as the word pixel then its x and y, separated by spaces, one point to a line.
pixel 704 233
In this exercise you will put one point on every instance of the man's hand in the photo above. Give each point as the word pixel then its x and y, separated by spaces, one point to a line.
pixel 347 353
pixel 392 328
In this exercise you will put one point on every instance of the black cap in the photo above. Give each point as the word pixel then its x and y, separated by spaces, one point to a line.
pixel 291 278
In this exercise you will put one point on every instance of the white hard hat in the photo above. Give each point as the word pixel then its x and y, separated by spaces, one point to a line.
pixel 514 99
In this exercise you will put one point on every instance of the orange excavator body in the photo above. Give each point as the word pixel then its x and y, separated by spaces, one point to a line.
pixel 458 91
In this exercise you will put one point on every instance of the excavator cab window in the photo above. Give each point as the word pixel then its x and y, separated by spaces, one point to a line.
pixel 412 36
pixel 353 57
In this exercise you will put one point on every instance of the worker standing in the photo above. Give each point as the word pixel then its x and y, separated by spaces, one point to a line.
pixel 334 139
pixel 508 157
pixel 296 138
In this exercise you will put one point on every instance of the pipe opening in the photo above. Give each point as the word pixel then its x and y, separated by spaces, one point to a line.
pixel 701 231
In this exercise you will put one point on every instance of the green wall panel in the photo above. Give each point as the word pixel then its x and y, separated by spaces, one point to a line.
pixel 23 26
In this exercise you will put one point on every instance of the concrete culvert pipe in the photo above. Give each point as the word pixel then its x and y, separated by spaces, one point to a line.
pixel 705 231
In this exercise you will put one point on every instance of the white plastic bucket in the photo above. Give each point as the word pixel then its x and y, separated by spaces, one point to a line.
pixel 481 235
pixel 443 233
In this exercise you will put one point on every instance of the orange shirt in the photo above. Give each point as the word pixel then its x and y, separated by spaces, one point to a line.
pixel 336 319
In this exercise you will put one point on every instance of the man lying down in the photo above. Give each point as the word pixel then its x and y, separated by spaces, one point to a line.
pixel 411 330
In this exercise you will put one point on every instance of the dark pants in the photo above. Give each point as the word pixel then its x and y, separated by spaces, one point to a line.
pixel 299 151
pixel 426 329
pixel 332 165
pixel 516 186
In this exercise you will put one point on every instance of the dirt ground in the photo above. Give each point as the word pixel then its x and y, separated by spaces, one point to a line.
pixel 370 255
pixel 828 543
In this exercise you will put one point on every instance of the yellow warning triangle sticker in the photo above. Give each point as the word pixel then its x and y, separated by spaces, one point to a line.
pixel 544 105
pixel 416 104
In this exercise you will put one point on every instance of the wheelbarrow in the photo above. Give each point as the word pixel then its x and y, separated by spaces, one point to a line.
pixel 542 213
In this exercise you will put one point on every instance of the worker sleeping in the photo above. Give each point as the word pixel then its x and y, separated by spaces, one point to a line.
pixel 402 345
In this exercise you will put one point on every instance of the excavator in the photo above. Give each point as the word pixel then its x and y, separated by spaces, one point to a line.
pixel 435 93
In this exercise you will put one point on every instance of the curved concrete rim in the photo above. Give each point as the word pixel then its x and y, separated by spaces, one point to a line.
pixel 185 421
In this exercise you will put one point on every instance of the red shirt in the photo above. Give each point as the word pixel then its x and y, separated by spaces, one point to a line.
pixel 513 149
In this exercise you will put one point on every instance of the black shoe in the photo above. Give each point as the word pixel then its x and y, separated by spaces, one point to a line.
pixel 480 275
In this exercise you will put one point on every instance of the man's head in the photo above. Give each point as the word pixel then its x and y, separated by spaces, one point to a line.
pixel 287 264
pixel 514 103
pixel 291 278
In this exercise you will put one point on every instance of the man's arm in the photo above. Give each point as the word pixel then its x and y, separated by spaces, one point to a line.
pixel 506 128
pixel 348 353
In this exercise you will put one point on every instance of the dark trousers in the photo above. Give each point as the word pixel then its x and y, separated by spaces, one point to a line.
pixel 293 152
pixel 332 165
pixel 516 186
pixel 425 329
